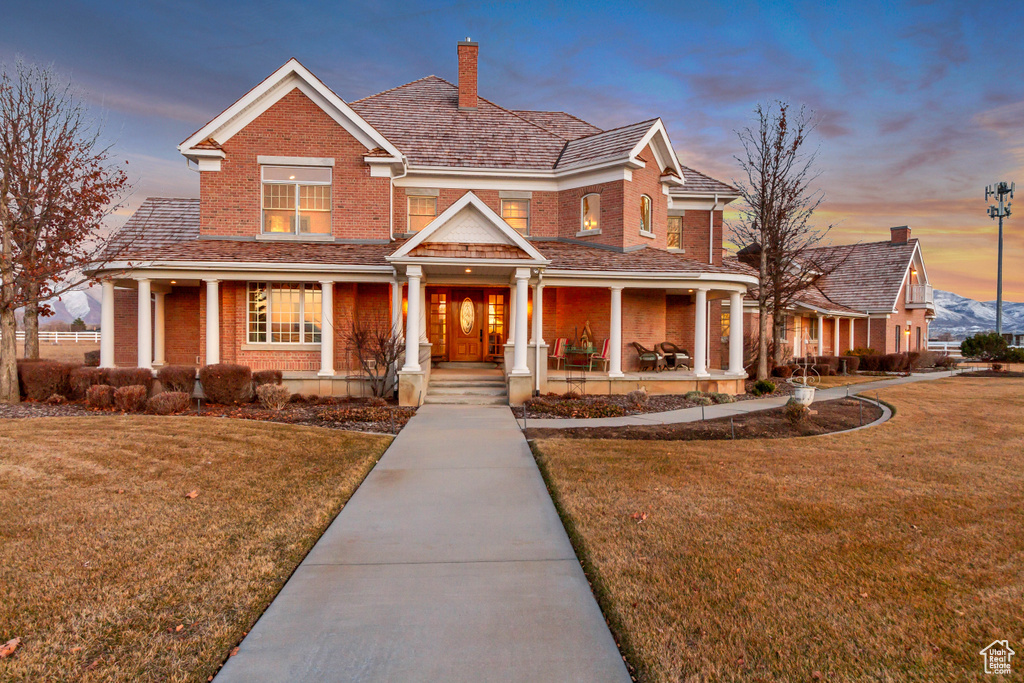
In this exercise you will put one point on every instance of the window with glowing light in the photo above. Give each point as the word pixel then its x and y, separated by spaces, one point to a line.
pixel 590 213
pixel 674 232
pixel 516 213
pixel 422 210
pixel 296 200
pixel 645 214
pixel 284 313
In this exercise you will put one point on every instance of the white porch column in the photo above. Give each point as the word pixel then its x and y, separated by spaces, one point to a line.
pixel 158 329
pixel 145 324
pixel 853 322
pixel 423 310
pixel 538 314
pixel 835 339
pixel 212 322
pixel 510 338
pixel 821 336
pixel 412 340
pixel 700 333
pixel 615 334
pixel 396 308
pixel 326 328
pixel 107 325
pixel 736 333
pixel 519 364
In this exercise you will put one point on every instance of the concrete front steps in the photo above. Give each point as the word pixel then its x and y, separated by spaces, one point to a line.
pixel 467 384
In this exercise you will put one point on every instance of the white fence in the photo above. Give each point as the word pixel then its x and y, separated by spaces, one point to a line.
pixel 51 337
pixel 951 348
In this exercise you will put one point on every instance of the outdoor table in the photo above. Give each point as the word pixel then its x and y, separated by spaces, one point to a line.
pixel 578 357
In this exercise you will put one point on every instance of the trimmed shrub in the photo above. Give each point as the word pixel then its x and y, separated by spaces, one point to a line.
pixel 693 395
pixel 41 379
pixel 376 401
pixel 299 398
pixel 852 363
pixel 177 378
pixel 637 397
pixel 831 361
pixel 985 346
pixel 870 363
pixel 131 399
pixel 92 359
pixel 570 395
pixel 796 412
pixel 719 397
pixel 128 377
pixel 56 400
pixel 863 352
pixel 823 369
pixel 261 377
pixel 80 379
pixel 763 386
pixel 100 396
pixel 913 358
pixel 895 362
pixel 946 361
pixel 783 371
pixel 703 401
pixel 169 403
pixel 273 396
pixel 997 367
pixel 227 384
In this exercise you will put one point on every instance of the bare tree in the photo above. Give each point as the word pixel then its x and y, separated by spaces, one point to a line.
pixel 774 224
pixel 58 183
pixel 377 347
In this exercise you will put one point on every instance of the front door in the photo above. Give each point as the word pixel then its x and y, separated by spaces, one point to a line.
pixel 468 322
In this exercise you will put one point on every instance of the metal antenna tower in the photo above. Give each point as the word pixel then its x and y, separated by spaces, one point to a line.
pixel 1003 191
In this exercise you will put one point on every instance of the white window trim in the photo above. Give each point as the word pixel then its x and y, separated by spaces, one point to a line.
pixel 295 233
pixel 529 211
pixel 270 345
pixel 592 231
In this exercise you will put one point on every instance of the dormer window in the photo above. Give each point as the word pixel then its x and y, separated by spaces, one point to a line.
pixel 590 213
pixel 645 215
pixel 296 200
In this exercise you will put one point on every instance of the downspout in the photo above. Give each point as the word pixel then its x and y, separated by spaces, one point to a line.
pixel 711 233
pixel 391 197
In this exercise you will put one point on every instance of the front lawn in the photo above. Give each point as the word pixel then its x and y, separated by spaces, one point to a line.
pixel 889 554
pixel 111 572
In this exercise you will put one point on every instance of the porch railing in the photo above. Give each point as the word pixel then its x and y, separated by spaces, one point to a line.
pixel 920 294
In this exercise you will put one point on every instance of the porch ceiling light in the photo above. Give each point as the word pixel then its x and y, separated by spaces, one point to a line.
pixel 174 282
pixel 469 270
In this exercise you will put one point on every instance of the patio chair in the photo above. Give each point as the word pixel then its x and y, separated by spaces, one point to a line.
pixel 558 351
pixel 603 357
pixel 649 360
pixel 675 356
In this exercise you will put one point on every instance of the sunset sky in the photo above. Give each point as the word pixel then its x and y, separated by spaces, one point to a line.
pixel 920 104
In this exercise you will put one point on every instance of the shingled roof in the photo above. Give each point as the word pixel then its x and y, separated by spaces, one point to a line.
pixel 868 275
pixel 158 222
pixel 610 144
pixel 558 122
pixel 697 182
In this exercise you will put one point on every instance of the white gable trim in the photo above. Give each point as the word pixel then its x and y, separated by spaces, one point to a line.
pixel 658 138
pixel 290 76
pixel 917 256
pixel 468 200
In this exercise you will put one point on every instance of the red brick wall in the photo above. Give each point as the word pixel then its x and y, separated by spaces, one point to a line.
pixel 611 212
pixel 647 181
pixel 294 126
pixel 181 326
pixel 696 228
pixel 126 327
pixel 643 321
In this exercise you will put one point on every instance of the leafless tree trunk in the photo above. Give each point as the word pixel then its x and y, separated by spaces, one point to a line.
pixel 32 320
pixel 774 226
pixel 378 348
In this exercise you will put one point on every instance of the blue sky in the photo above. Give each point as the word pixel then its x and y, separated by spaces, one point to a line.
pixel 919 103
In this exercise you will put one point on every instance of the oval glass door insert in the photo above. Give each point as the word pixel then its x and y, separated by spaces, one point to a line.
pixel 467 315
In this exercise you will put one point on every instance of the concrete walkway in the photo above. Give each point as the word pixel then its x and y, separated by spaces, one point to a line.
pixel 448 564
pixel 725 409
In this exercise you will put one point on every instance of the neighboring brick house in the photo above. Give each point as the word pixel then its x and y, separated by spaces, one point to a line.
pixel 495 231
pixel 876 295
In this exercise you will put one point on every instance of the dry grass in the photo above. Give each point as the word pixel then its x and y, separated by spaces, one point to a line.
pixel 843 380
pixel 102 556
pixel 890 554
pixel 66 352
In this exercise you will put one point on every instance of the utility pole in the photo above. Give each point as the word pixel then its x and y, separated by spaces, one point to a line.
pixel 1002 191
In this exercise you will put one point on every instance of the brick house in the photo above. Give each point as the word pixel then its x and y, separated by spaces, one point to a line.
pixel 490 233
pixel 878 296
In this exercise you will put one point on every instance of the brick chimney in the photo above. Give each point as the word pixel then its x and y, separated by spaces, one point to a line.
pixel 900 234
pixel 467 74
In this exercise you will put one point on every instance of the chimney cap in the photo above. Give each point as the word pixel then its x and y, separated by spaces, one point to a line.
pixel 467 41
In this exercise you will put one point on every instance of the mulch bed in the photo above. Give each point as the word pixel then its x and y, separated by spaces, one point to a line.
pixel 828 416
pixel 992 373
pixel 334 413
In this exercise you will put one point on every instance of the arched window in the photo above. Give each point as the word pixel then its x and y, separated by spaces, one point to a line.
pixel 645 214
pixel 590 213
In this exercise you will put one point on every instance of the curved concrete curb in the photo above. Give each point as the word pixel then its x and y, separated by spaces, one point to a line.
pixel 884 417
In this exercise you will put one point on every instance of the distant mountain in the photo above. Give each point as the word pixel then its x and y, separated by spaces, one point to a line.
pixel 963 317
pixel 78 303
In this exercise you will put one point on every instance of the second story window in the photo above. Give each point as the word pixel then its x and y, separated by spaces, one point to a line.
pixel 296 200
pixel 645 214
pixel 422 210
pixel 590 213
pixel 516 213
pixel 674 232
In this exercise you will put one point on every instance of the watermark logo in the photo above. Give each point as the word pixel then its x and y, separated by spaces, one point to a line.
pixel 997 657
